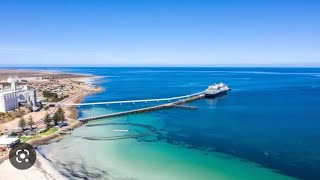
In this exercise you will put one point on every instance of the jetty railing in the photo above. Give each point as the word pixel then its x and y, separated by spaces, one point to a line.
pixel 135 101
pixel 163 106
pixel 124 101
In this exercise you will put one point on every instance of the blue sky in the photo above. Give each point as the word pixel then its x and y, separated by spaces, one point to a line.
pixel 160 32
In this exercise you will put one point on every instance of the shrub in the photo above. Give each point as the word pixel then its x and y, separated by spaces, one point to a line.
pixel 13 134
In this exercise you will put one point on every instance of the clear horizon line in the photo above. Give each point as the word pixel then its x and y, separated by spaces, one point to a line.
pixel 160 65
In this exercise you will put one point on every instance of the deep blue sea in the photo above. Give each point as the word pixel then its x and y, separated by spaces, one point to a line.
pixel 271 117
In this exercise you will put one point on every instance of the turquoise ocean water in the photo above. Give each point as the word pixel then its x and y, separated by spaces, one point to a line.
pixel 267 127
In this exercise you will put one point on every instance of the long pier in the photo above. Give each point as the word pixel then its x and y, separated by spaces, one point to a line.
pixel 64 102
pixel 137 101
pixel 187 98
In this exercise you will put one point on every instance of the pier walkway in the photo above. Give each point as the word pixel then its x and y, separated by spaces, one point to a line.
pixel 137 101
pixel 181 100
pixel 64 102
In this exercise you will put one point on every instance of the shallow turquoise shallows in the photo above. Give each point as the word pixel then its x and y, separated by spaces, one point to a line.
pixel 266 127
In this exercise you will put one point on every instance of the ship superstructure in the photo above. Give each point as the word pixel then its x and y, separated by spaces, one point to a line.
pixel 216 89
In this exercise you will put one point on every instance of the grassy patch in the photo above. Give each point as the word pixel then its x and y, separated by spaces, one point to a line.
pixel 48 132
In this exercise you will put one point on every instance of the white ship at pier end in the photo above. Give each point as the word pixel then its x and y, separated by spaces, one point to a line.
pixel 216 90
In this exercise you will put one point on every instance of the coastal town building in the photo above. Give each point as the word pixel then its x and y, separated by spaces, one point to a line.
pixel 13 97
pixel 8 100
pixel 8 141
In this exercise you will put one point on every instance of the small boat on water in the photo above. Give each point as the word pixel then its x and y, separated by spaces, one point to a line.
pixel 216 90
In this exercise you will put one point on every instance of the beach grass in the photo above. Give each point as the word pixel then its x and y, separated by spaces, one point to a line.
pixel 48 132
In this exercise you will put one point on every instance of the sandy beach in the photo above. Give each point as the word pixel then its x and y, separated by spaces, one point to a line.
pixel 43 169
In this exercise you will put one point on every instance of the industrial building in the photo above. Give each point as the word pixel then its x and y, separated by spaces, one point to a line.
pixel 13 97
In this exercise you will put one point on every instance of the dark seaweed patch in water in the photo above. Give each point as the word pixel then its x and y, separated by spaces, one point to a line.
pixel 81 171
pixel 150 130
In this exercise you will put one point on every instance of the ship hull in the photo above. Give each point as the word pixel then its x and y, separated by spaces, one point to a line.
pixel 216 95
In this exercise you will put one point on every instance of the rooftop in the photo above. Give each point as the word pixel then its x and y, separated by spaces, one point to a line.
pixel 6 91
pixel 8 140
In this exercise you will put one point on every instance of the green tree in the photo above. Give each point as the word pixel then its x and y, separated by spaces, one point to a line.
pixel 60 113
pixel 55 118
pixel 47 120
pixel 30 122
pixel 22 123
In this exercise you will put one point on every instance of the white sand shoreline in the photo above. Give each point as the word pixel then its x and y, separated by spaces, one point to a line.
pixel 42 169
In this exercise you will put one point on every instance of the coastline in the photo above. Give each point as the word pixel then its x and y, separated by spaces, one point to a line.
pixel 72 112
pixel 95 155
pixel 43 169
